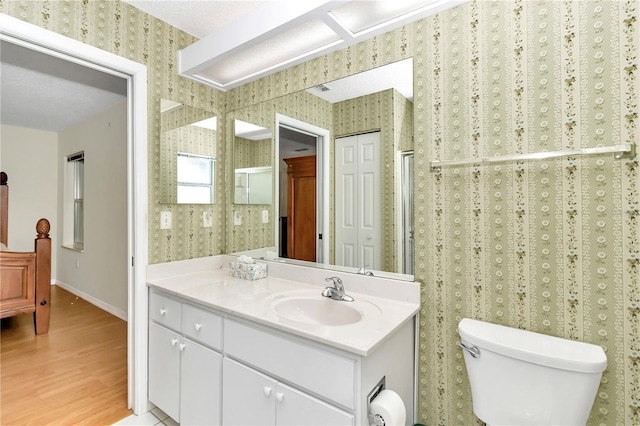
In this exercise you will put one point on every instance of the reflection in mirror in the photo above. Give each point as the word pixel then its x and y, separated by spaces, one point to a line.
pixel 365 168
pixel 187 154
pixel 252 158
pixel 253 185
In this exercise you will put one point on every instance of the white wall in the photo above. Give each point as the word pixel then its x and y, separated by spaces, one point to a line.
pixel 29 157
pixel 99 273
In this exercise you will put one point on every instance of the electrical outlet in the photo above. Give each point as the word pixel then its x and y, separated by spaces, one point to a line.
pixel 237 218
pixel 165 220
pixel 265 216
pixel 207 219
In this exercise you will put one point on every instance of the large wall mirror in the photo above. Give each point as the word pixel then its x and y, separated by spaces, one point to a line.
pixel 341 155
pixel 187 154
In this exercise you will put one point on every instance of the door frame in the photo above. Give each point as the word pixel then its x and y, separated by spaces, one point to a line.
pixel 405 214
pixel 323 164
pixel 51 43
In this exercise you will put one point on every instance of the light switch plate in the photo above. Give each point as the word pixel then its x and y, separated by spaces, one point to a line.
pixel 165 220
pixel 265 216
pixel 207 219
pixel 237 218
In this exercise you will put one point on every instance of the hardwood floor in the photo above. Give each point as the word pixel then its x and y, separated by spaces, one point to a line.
pixel 75 374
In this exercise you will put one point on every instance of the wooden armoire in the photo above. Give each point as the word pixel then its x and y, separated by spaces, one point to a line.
pixel 301 208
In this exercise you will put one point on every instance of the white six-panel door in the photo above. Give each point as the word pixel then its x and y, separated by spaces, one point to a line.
pixel 358 201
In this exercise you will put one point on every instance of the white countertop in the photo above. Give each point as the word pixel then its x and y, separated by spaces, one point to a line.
pixel 253 300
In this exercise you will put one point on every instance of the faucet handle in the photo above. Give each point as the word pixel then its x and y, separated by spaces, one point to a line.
pixel 363 271
pixel 337 283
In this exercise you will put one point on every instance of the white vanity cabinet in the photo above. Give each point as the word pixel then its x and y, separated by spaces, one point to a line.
pixel 207 367
pixel 184 374
pixel 271 402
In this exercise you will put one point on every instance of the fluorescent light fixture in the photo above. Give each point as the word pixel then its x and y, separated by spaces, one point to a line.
pixel 166 105
pixel 251 131
pixel 208 123
pixel 281 34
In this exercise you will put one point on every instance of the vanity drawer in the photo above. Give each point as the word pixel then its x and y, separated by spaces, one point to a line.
pixel 203 326
pixel 306 366
pixel 164 310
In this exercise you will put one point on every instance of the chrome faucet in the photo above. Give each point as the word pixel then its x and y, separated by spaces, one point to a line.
pixel 336 292
pixel 363 271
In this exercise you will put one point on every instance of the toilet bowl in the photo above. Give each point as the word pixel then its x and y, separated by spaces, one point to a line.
pixel 519 377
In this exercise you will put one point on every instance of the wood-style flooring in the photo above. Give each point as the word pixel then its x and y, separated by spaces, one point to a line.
pixel 76 374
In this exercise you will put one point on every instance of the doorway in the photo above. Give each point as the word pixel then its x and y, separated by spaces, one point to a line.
pixel 314 141
pixel 38 39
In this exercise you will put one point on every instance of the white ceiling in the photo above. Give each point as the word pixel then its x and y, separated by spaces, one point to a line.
pixel 197 17
pixel 398 75
pixel 42 92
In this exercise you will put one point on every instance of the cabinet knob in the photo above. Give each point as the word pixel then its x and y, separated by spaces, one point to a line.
pixel 198 327
pixel 174 342
pixel 182 346
pixel 267 391
pixel 279 396
pixel 163 311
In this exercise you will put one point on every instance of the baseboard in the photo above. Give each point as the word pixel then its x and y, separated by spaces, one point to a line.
pixel 96 302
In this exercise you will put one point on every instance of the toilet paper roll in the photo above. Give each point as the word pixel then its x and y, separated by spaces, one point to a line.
pixel 389 407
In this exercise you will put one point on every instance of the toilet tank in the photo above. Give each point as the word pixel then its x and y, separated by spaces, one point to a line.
pixel 526 378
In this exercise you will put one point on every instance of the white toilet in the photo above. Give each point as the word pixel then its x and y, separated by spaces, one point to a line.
pixel 520 377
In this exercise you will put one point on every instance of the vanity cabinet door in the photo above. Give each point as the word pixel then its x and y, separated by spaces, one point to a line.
pixel 164 369
pixel 200 384
pixel 248 397
pixel 295 408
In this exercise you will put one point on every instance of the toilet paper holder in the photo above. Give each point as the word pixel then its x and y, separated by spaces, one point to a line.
pixel 375 419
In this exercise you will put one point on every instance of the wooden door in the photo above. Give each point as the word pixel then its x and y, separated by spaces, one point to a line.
pixel 301 208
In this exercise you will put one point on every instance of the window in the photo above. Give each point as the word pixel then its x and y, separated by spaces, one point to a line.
pixel 74 201
pixel 195 179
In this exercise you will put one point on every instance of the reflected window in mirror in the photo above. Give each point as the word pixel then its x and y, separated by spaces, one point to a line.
pixel 195 179
pixel 253 185
pixel 188 143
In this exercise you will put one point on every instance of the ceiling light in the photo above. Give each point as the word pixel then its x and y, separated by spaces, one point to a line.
pixel 285 33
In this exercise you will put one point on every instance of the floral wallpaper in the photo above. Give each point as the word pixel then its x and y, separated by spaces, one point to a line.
pixel 550 246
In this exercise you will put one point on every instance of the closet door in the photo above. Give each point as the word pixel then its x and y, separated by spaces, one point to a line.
pixel 357 201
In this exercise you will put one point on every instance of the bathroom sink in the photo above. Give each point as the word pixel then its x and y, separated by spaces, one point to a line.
pixel 316 310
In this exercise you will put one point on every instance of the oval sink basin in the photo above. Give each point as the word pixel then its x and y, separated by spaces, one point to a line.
pixel 316 311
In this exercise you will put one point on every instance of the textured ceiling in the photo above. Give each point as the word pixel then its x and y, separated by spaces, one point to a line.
pixel 42 92
pixel 197 17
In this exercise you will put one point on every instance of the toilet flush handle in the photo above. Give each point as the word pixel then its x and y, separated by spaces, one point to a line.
pixel 473 350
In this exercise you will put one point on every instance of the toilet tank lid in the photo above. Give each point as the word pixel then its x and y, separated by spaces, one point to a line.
pixel 534 347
